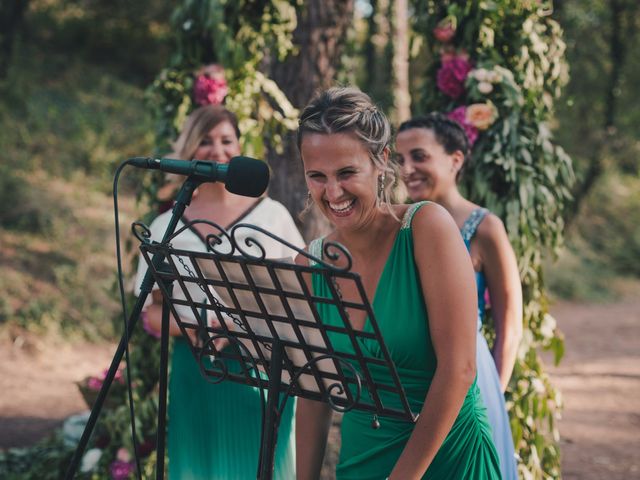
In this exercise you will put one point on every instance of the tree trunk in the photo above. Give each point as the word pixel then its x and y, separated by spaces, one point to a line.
pixel 319 37
pixel 401 94
pixel 378 55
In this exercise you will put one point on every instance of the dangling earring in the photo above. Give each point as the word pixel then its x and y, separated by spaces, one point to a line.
pixel 381 179
pixel 308 205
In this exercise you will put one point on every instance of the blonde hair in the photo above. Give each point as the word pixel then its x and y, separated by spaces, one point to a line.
pixel 349 110
pixel 198 124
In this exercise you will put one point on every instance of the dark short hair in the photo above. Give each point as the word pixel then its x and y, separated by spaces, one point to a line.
pixel 447 131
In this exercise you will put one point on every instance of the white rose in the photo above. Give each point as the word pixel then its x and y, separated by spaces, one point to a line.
pixel 525 343
pixel 90 460
pixel 480 74
pixel 494 77
pixel 73 428
pixel 485 87
pixel 548 326
pixel 537 385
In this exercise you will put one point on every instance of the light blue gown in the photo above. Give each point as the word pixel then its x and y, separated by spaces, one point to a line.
pixel 488 380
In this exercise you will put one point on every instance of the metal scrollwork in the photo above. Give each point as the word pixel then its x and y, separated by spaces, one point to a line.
pixel 212 240
pixel 337 388
pixel 333 250
pixel 141 232
pixel 207 350
pixel 250 245
pixel 221 365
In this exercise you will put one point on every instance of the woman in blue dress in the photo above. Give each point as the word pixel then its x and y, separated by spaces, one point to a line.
pixel 431 152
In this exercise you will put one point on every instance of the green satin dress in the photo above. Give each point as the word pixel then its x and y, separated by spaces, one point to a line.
pixel 214 430
pixel 366 453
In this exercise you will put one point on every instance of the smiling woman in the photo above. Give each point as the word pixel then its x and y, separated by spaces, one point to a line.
pixel 431 151
pixel 214 430
pixel 423 301
pixel 345 187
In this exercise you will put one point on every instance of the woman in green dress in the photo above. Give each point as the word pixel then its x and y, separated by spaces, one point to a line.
pixel 214 429
pixel 424 301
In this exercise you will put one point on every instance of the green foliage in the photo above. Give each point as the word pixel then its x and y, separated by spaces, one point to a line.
pixel 46 461
pixel 64 125
pixel 516 52
pixel 582 116
pixel 101 33
pixel 603 244
pixel 66 132
pixel 241 36
pixel 32 212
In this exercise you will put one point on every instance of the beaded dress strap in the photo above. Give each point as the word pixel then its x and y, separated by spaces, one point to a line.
pixel 408 216
pixel 315 249
pixel 470 225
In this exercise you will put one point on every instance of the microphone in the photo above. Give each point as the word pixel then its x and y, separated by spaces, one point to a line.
pixel 242 175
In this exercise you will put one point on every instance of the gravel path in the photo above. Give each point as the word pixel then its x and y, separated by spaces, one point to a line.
pixel 599 378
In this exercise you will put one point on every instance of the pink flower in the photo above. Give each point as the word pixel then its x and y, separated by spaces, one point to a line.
pixel 147 326
pixel 123 455
pixel 460 116
pixel 118 376
pixel 451 76
pixel 445 30
pixel 487 298
pixel 209 91
pixel 94 383
pixel 121 470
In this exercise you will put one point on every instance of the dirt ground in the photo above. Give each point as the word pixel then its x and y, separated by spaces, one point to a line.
pixel 600 382
pixel 599 379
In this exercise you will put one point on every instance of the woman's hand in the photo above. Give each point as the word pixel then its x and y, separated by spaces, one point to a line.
pixel 219 343
pixel 152 320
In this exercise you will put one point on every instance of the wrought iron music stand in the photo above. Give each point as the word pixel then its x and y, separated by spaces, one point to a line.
pixel 270 317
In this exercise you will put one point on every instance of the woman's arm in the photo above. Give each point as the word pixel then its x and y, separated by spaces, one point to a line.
pixel 448 286
pixel 505 290
pixel 313 420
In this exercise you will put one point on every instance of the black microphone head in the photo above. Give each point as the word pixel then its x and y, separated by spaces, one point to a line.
pixel 247 176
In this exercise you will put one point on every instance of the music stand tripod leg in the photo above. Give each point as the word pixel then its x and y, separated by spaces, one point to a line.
pixel 164 364
pixel 102 395
pixel 272 414
pixel 182 200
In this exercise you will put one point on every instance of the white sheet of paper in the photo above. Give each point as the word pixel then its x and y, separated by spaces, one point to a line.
pixel 274 307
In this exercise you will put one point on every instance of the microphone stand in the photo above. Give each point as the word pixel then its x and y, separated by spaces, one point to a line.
pixel 182 201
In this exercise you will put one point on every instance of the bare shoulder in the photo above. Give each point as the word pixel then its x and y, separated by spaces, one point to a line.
pixel 302 259
pixel 491 230
pixel 432 220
